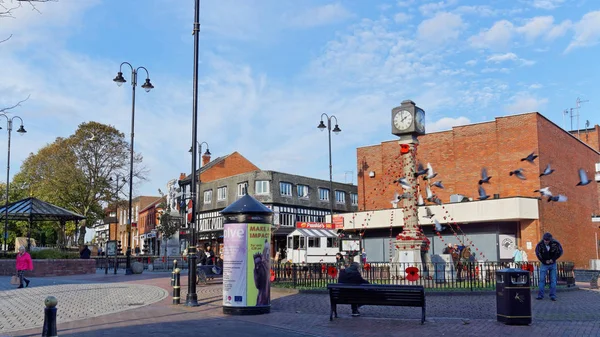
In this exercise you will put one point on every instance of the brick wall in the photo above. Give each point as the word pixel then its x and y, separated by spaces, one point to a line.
pixel 43 268
pixel 231 165
pixel 459 154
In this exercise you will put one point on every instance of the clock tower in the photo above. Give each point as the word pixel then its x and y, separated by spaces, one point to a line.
pixel 408 122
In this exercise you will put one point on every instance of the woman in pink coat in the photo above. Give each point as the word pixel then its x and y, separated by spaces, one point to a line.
pixel 23 263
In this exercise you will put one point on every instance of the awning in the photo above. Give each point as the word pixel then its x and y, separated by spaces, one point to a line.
pixel 311 233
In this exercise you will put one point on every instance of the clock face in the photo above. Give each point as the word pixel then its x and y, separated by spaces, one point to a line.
pixel 403 120
pixel 420 120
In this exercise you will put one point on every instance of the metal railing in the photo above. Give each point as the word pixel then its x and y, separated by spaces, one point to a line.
pixel 159 263
pixel 469 276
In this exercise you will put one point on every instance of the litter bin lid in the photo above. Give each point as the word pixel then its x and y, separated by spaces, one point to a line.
pixel 512 271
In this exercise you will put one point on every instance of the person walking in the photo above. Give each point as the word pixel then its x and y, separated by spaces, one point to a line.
pixel 351 275
pixel 23 263
pixel 85 253
pixel 548 250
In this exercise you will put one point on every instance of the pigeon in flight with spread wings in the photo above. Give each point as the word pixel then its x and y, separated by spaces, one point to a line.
pixel 485 179
pixel 545 192
pixel 438 184
pixel 421 171
pixel 438 226
pixel 530 158
pixel 428 212
pixel 547 171
pixel 430 172
pixel 557 198
pixel 420 201
pixel 482 194
pixel 518 173
pixel 583 179
pixel 403 182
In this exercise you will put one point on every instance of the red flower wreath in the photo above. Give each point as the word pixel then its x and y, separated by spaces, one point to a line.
pixel 332 271
pixel 367 267
pixel 272 275
pixel 412 273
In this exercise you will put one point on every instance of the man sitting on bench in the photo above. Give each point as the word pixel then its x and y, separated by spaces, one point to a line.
pixel 351 275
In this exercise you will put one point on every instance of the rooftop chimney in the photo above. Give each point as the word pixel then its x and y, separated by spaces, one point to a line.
pixel 182 176
pixel 205 159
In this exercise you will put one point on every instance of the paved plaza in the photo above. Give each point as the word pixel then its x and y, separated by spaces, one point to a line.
pixel 139 305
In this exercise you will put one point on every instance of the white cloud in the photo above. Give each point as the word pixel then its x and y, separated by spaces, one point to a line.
pixel 441 28
pixel 500 58
pixel 536 27
pixel 498 37
pixel 401 17
pixel 483 11
pixel 434 7
pixel 535 86
pixel 319 16
pixel 405 3
pixel 446 123
pixel 547 4
pixel 471 62
pixel 559 30
pixel 587 31
pixel 524 102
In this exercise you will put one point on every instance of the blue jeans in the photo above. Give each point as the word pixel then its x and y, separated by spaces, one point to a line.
pixel 543 270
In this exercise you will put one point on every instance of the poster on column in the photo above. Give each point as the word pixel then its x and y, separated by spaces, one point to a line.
pixel 259 269
pixel 234 264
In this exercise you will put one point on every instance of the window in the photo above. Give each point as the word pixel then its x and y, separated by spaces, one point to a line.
pixel 208 197
pixel 222 193
pixel 354 198
pixel 285 189
pixel 314 242
pixel 340 197
pixel 302 191
pixel 261 187
pixel 323 194
pixel 332 242
pixel 242 189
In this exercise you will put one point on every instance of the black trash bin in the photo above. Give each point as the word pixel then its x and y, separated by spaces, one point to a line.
pixel 513 296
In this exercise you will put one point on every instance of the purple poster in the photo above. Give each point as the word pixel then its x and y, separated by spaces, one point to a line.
pixel 234 264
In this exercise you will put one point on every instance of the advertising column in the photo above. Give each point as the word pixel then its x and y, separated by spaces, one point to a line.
pixel 246 257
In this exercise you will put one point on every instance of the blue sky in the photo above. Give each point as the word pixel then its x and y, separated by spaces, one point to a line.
pixel 270 68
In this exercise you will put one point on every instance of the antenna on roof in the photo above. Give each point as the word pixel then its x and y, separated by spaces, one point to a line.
pixel 565 112
pixel 351 177
pixel 578 102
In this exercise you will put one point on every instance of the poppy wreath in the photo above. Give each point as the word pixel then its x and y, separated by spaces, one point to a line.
pixel 323 268
pixel 412 274
pixel 332 272
pixel 367 267
pixel 272 275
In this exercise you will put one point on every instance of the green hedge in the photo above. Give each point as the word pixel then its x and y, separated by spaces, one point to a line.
pixel 45 254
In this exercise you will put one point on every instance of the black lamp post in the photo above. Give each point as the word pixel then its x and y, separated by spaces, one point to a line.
pixel 206 153
pixel 146 86
pixel 21 130
pixel 191 299
pixel 336 130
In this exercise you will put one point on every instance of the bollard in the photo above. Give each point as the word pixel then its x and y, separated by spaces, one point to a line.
pixel 173 272
pixel 49 329
pixel 176 287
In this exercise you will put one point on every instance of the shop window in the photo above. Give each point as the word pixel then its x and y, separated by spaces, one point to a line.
pixel 314 242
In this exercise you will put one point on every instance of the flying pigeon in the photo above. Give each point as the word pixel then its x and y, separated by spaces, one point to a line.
pixel 420 201
pixel 430 172
pixel 438 226
pixel 420 170
pixel 429 193
pixel 438 184
pixel 394 201
pixel 545 192
pixel 485 179
pixel 429 215
pixel 518 173
pixel 558 198
pixel 436 200
pixel 402 181
pixel 583 179
pixel 547 171
pixel 482 194
pixel 530 158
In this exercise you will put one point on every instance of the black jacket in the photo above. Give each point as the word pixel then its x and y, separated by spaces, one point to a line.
pixel 85 253
pixel 544 254
pixel 351 275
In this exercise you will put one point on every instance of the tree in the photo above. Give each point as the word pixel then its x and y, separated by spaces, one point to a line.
pixel 169 225
pixel 75 172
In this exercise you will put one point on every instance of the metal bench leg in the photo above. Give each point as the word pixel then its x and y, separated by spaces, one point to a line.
pixel 333 310
pixel 423 315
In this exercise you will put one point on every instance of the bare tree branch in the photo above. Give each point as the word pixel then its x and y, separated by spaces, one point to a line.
pixel 14 106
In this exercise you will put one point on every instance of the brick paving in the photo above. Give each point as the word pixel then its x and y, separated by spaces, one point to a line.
pixel 576 313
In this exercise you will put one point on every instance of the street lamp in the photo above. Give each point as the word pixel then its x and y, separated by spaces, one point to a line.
pixel 191 299
pixel 21 130
pixel 336 130
pixel 146 86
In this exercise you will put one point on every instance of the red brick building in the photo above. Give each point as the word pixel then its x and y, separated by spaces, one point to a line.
pixel 458 156
pixel 149 218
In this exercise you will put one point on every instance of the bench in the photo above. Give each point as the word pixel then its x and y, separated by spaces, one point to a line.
pixel 207 272
pixel 376 294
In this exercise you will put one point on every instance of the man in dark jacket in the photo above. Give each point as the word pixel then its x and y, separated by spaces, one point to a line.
pixel 351 275
pixel 548 251
pixel 85 253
